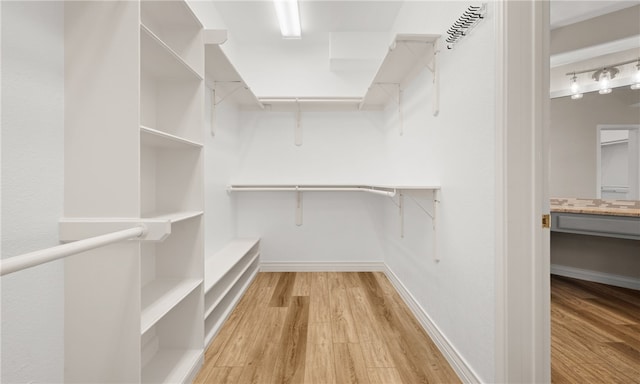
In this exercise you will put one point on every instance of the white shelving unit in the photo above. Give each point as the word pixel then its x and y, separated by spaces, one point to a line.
pixel 171 168
pixel 228 273
pixel 134 95
pixel 407 55
pixel 388 190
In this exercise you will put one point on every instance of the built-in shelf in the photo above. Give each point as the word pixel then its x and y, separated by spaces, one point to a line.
pixel 160 60
pixel 224 79
pixel 406 57
pixel 219 264
pixel 176 217
pixel 219 314
pixel 158 139
pixel 171 366
pixel 233 280
pixel 227 273
pixel 162 295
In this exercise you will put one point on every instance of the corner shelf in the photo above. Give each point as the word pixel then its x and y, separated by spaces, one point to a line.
pixel 158 139
pixel 161 296
pixel 223 78
pixel 406 57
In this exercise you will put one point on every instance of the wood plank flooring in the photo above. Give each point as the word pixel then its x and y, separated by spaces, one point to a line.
pixel 595 332
pixel 324 328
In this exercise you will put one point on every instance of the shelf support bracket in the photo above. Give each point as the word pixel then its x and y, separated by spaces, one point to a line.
pixel 401 212
pixel 298 129
pixel 298 207
pixel 213 111
pixel 433 214
pixel 215 103
pixel 436 80
pixel 400 116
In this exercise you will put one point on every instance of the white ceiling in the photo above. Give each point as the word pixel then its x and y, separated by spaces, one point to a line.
pixel 565 12
pixel 256 22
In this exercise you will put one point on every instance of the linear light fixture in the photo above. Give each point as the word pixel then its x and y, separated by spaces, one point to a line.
pixel 636 83
pixel 603 76
pixel 289 18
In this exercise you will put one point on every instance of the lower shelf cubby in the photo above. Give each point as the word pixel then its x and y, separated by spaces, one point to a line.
pixel 172 349
pixel 228 274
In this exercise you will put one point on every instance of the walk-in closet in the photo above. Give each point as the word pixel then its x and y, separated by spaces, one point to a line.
pixel 197 191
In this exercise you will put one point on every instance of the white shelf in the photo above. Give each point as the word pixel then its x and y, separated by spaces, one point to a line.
pixel 222 76
pixel 158 139
pixel 170 15
pixel 222 295
pixel 406 57
pixel 160 296
pixel 219 264
pixel 160 60
pixel 311 104
pixel 319 187
pixel 176 217
pixel 231 299
pixel 171 366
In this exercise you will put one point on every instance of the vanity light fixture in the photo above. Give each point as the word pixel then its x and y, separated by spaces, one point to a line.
pixel 636 84
pixel 604 77
pixel 575 88
pixel 289 18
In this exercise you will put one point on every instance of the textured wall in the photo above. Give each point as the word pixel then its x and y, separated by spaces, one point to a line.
pixel 32 188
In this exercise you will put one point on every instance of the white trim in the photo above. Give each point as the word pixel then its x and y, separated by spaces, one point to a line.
pixel 522 324
pixel 595 276
pixel 590 52
pixel 457 362
pixel 336 266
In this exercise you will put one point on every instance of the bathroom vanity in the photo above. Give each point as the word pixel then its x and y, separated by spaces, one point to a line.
pixel 596 217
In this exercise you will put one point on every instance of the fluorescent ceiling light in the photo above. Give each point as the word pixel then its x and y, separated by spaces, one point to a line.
pixel 289 18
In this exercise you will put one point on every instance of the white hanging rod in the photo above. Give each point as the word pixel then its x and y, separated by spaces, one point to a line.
pixel 294 188
pixel 268 100
pixel 32 259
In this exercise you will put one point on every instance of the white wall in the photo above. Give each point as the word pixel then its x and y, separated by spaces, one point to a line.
pixel 457 150
pixel 32 188
pixel 614 164
pixel 297 69
pixel 573 141
pixel 220 165
pixel 338 148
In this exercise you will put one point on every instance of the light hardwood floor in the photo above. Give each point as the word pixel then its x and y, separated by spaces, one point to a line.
pixel 595 333
pixel 323 328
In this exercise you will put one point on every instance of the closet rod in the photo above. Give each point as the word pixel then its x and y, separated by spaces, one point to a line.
pixel 32 259
pixel 268 100
pixel 313 189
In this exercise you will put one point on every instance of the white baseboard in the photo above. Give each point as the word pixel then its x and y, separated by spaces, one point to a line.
pixel 336 266
pixel 595 276
pixel 459 365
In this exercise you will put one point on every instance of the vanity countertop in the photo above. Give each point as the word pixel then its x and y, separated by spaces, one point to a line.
pixel 596 206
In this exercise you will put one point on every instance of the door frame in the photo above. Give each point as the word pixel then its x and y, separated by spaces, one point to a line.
pixel 523 337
